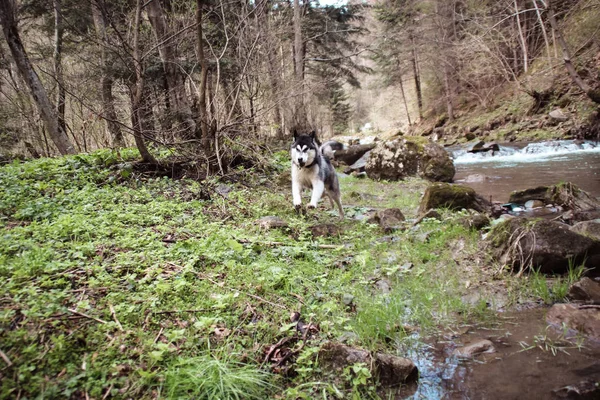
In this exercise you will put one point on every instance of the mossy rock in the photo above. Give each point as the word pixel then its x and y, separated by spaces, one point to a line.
pixel 565 194
pixel 547 246
pixel 453 197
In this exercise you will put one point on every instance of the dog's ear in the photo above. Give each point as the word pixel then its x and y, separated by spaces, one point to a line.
pixel 313 134
pixel 295 133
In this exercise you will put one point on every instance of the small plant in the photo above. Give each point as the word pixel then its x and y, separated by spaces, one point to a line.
pixel 210 377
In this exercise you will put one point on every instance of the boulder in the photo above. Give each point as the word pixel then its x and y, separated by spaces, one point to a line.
pixel 585 289
pixel 353 153
pixel 389 369
pixel 590 229
pixel 454 197
pixel 581 319
pixel 545 245
pixel 481 147
pixel 566 195
pixel 475 221
pixel 389 219
pixel 584 390
pixel 558 115
pixel 397 159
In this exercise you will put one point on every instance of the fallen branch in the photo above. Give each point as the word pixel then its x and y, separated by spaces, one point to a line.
pixel 5 358
pixel 114 315
pixel 86 316
pixel 320 246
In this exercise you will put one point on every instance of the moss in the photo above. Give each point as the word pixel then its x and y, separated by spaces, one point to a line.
pixel 454 197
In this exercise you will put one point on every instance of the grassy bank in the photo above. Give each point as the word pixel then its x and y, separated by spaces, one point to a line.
pixel 120 285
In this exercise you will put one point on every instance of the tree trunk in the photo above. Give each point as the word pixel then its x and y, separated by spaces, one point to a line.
pixel 203 85
pixel 448 92
pixel 58 71
pixel 180 106
pixel 138 90
pixel 300 116
pixel 522 39
pixel 39 94
pixel 108 101
pixel 402 92
pixel 594 95
pixel 417 77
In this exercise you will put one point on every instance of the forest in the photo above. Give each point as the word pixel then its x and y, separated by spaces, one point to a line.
pixel 150 248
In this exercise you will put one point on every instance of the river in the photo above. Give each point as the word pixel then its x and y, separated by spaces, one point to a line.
pixel 528 165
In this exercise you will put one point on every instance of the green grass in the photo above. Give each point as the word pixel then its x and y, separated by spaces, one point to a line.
pixel 117 284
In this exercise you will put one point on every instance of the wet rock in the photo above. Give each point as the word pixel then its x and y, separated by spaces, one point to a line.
pixel 547 245
pixel 566 195
pixel 582 319
pixel 584 390
pixel 325 230
pixel 272 222
pixel 454 197
pixel 585 289
pixel 397 159
pixel 389 369
pixel 531 204
pixel 389 219
pixel 476 146
pixel 475 178
pixel 482 346
pixel 590 229
pixel 481 146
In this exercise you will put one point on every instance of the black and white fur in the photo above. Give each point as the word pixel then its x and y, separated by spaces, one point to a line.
pixel 311 168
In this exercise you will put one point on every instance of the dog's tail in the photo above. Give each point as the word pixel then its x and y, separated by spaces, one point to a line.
pixel 329 148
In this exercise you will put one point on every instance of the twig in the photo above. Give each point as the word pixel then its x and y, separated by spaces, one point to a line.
pixel 180 311
pixel 158 336
pixel 5 358
pixel 275 347
pixel 114 314
pixel 107 392
pixel 320 246
pixel 86 316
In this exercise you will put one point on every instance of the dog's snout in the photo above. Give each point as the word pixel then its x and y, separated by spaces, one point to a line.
pixel 301 162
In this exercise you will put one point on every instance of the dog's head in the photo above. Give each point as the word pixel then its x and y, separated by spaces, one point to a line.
pixel 304 149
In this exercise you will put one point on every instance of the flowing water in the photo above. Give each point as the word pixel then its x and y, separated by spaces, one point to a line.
pixel 531 359
pixel 518 167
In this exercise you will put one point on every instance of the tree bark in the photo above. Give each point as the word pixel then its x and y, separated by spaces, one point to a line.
pixel 38 92
pixel 417 77
pixel 138 90
pixel 300 116
pixel 205 131
pixel 594 95
pixel 58 71
pixel 108 101
pixel 522 39
pixel 180 106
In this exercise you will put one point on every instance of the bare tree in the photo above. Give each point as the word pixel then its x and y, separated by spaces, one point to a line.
pixel 38 92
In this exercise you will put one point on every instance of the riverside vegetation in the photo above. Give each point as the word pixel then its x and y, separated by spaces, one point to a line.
pixel 123 285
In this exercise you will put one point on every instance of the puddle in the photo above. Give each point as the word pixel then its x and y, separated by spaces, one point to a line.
pixel 530 362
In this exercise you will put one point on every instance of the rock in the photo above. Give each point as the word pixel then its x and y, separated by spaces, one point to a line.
pixel 271 222
pixel 325 230
pixel 389 369
pixel 482 346
pixel 431 213
pixel 389 219
pixel 582 319
pixel 352 154
pixel 545 245
pixel 480 146
pixel 223 189
pixel 397 159
pixel 531 204
pixel 383 286
pixel 584 390
pixel 590 229
pixel 454 197
pixel 585 289
pixel 436 164
pixel 476 147
pixel 475 178
pixel 347 299
pixel 566 195
pixel 475 221
pixel 558 115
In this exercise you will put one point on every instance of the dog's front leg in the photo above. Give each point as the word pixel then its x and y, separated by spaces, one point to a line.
pixel 296 192
pixel 317 192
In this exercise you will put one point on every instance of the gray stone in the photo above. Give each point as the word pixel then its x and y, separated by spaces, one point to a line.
pixel 271 222
pixel 454 197
pixel 389 219
pixel 482 346
pixel 531 204
pixel 558 115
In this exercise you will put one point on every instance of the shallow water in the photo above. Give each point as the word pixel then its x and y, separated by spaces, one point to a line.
pixel 519 167
pixel 530 362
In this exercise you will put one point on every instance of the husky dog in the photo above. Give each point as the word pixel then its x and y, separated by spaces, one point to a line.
pixel 311 168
